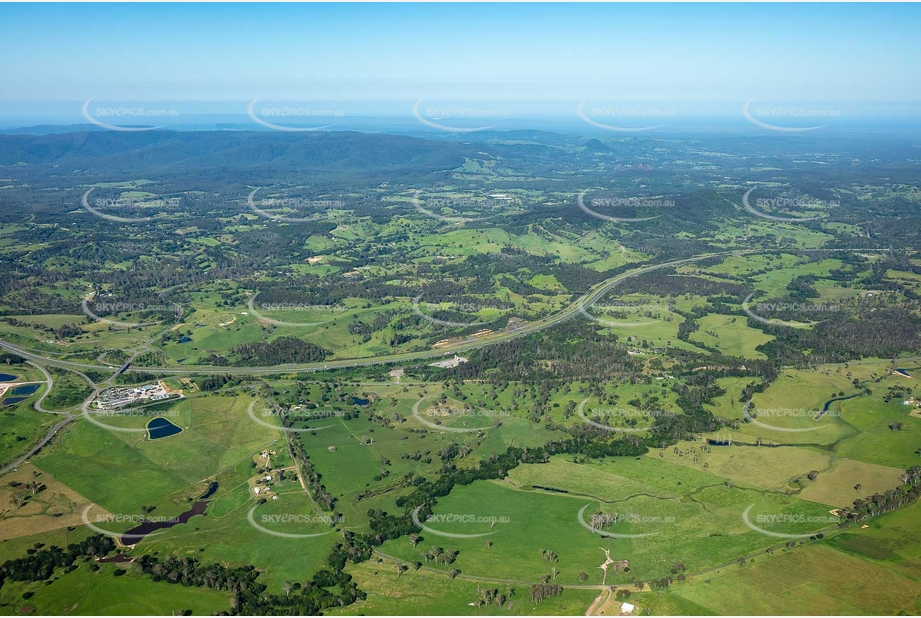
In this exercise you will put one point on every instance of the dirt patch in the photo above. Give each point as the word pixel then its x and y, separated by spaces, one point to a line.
pixel 55 506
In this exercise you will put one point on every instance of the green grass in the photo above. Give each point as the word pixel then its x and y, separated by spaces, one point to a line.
pixel 731 335
pixel 702 527
pixel 808 580
pixel 21 427
pixel 101 593
pixel 217 434
pixel 421 593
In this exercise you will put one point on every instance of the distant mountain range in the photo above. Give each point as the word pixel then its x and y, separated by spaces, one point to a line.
pixel 151 150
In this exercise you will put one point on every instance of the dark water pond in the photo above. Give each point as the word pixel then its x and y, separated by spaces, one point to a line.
pixel 148 527
pixel 161 428
pixel 6 377
pixel 185 339
pixel 358 401
pixel 25 389
pixel 116 559
pixel 211 489
pixel 11 401
pixel 831 401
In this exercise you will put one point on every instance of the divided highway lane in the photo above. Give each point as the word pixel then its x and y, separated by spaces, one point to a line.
pixel 585 301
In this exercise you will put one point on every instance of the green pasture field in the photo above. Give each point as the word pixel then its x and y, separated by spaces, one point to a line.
pixel 217 434
pixel 85 593
pixel 225 534
pixel 428 592
pixel 98 334
pixel 702 528
pixel 784 469
pixel 876 442
pixel 792 401
pixel 891 541
pixel 729 406
pixel 731 335
pixel 811 580
pixel 70 390
pixel 21 427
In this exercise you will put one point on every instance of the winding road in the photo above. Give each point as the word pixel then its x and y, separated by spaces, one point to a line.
pixel 579 306
pixel 582 303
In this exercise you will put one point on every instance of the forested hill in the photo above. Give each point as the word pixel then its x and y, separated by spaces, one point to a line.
pixel 149 150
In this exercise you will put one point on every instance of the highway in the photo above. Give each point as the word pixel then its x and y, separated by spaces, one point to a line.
pixel 584 302
pixel 580 305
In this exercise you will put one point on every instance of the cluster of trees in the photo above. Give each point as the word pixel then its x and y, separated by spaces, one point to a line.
pixel 440 555
pixel 884 333
pixel 889 500
pixel 40 562
pixel 278 352
pixel 311 477
pixel 542 592
pixel 327 588
pixel 425 494
pixel 488 596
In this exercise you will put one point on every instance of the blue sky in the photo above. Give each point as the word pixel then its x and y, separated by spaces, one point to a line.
pixel 531 53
